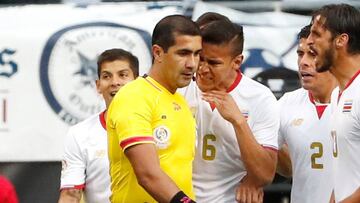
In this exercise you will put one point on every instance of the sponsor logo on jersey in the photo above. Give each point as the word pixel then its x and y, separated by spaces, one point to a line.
pixel 297 122
pixel 347 106
pixel 193 110
pixel 177 107
pixel 100 153
pixel 162 137
pixel 68 67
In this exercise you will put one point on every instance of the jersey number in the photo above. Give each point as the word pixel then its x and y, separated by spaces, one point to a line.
pixel 208 150
pixel 335 147
pixel 318 154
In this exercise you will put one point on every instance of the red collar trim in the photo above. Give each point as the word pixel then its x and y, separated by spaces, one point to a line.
pixel 352 79
pixel 348 84
pixel 102 119
pixel 236 82
pixel 232 86
pixel 320 108
pixel 311 97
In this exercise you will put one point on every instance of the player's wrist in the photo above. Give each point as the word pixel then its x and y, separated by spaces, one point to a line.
pixel 238 121
pixel 181 197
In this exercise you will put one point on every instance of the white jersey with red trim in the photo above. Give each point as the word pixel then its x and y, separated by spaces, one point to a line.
pixel 85 162
pixel 310 146
pixel 346 133
pixel 218 167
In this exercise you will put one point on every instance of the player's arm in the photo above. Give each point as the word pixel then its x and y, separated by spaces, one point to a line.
pixel 284 167
pixel 73 170
pixel 145 162
pixel 70 196
pixel 260 162
pixel 353 198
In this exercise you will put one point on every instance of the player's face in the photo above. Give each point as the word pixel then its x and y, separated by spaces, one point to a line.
pixel 113 76
pixel 310 79
pixel 218 68
pixel 306 63
pixel 321 43
pixel 181 60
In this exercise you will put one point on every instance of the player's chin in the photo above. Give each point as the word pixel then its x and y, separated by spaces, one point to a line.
pixel 183 83
pixel 307 85
pixel 205 87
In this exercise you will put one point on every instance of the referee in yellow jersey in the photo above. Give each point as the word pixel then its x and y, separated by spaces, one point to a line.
pixel 151 130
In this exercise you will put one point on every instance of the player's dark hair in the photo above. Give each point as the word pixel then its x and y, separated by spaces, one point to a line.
pixel 342 18
pixel 224 32
pixel 209 17
pixel 304 32
pixel 118 54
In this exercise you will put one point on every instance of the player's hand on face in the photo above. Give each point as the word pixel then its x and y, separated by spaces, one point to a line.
pixel 248 192
pixel 225 104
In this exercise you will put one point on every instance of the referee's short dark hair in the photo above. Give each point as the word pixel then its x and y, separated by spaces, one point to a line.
pixel 118 54
pixel 166 29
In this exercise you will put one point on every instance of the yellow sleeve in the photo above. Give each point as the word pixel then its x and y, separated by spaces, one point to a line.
pixel 130 115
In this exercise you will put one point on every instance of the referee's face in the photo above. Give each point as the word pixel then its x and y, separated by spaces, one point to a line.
pixel 181 61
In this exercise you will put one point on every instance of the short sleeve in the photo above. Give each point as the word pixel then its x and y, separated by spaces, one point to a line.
pixel 73 163
pixel 281 138
pixel 130 115
pixel 266 125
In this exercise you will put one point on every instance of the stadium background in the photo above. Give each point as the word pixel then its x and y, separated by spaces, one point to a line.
pixel 48 50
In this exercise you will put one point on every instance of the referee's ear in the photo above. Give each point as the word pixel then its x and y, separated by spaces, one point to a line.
pixel 157 52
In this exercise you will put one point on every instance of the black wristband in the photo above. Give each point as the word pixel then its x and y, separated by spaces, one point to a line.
pixel 180 197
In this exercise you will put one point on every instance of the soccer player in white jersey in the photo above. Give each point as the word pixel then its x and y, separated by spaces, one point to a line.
pixel 237 121
pixel 304 135
pixel 335 40
pixel 85 166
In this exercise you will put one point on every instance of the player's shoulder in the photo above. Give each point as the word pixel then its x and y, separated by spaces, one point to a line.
pixel 254 85
pixel 294 97
pixel 85 125
pixel 298 94
pixel 253 89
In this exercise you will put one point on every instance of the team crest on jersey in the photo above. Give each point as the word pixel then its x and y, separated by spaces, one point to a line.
pixel 162 137
pixel 245 113
pixel 347 106
pixel 68 68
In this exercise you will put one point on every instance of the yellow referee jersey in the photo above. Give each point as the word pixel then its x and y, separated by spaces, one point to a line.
pixel 143 111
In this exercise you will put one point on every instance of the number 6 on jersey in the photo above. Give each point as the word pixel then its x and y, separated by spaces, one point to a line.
pixel 208 150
